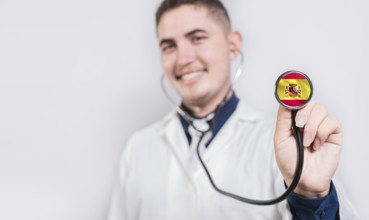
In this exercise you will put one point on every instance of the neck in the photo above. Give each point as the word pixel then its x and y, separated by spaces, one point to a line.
pixel 202 110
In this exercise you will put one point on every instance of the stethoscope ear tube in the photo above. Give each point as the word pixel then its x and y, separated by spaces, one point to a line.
pixel 290 189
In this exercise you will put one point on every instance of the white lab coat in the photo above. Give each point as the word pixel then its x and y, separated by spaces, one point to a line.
pixel 161 179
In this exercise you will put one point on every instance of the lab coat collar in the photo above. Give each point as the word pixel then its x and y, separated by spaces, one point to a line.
pixel 243 112
pixel 224 112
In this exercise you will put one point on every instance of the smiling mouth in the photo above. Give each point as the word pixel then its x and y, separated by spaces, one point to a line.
pixel 191 75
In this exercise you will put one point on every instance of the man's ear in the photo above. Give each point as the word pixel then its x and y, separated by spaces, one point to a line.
pixel 235 43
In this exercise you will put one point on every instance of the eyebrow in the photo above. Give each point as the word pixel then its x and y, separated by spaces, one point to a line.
pixel 195 32
pixel 169 40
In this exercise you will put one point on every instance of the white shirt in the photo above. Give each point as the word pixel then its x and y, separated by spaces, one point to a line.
pixel 160 179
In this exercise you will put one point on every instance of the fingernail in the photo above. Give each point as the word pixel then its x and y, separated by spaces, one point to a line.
pixel 301 120
pixel 307 139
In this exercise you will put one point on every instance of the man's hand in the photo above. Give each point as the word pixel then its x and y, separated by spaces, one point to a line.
pixel 322 138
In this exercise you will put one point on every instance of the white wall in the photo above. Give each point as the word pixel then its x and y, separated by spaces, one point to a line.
pixel 77 77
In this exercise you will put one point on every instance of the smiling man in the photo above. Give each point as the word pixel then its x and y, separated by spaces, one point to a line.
pixel 196 54
pixel 160 175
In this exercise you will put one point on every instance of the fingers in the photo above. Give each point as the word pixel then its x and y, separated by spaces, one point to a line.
pixel 316 117
pixel 318 124
pixel 303 114
pixel 327 129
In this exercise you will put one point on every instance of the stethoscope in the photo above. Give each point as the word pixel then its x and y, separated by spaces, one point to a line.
pixel 293 89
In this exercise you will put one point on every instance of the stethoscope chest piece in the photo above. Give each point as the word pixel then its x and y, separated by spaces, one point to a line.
pixel 201 125
pixel 293 90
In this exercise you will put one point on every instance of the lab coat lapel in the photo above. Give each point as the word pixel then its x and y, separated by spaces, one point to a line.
pixel 220 143
pixel 176 140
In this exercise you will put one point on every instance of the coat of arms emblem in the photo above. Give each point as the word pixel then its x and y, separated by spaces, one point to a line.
pixel 293 90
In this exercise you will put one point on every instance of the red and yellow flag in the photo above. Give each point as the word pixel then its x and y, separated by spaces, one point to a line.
pixel 294 89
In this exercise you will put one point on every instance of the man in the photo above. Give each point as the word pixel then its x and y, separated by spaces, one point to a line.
pixel 160 176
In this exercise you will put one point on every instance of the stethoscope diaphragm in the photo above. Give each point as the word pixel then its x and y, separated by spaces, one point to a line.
pixel 293 90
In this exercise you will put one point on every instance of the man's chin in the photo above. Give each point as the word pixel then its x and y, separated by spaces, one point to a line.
pixel 195 100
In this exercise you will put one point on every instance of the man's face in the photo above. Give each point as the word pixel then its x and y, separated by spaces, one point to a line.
pixel 195 54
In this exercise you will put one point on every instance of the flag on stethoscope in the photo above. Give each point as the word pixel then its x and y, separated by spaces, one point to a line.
pixel 293 89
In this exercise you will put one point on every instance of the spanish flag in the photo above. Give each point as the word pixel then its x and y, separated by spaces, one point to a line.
pixel 294 89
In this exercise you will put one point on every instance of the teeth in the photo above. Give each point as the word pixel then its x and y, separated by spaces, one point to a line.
pixel 191 75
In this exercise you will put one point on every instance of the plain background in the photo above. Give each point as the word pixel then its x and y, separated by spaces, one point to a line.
pixel 77 77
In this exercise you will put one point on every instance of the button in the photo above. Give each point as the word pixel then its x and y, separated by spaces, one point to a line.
pixel 322 214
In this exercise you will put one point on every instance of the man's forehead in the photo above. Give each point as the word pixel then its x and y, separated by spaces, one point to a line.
pixel 182 20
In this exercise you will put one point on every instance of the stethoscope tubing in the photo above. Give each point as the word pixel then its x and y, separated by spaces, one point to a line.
pixel 296 130
pixel 289 190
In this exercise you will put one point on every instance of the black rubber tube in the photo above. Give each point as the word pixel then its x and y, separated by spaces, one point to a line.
pixel 295 181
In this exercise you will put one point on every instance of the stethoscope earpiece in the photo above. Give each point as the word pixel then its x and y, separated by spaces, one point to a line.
pixel 293 90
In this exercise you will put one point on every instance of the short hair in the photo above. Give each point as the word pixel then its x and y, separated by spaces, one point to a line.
pixel 215 8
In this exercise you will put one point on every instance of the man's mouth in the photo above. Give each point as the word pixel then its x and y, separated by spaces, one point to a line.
pixel 191 75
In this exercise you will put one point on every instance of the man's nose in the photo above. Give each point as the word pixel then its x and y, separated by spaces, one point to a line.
pixel 186 54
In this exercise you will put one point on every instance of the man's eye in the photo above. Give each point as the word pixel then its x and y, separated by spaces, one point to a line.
pixel 167 47
pixel 198 39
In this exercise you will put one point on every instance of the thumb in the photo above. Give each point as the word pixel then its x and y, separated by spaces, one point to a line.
pixel 284 121
pixel 284 124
